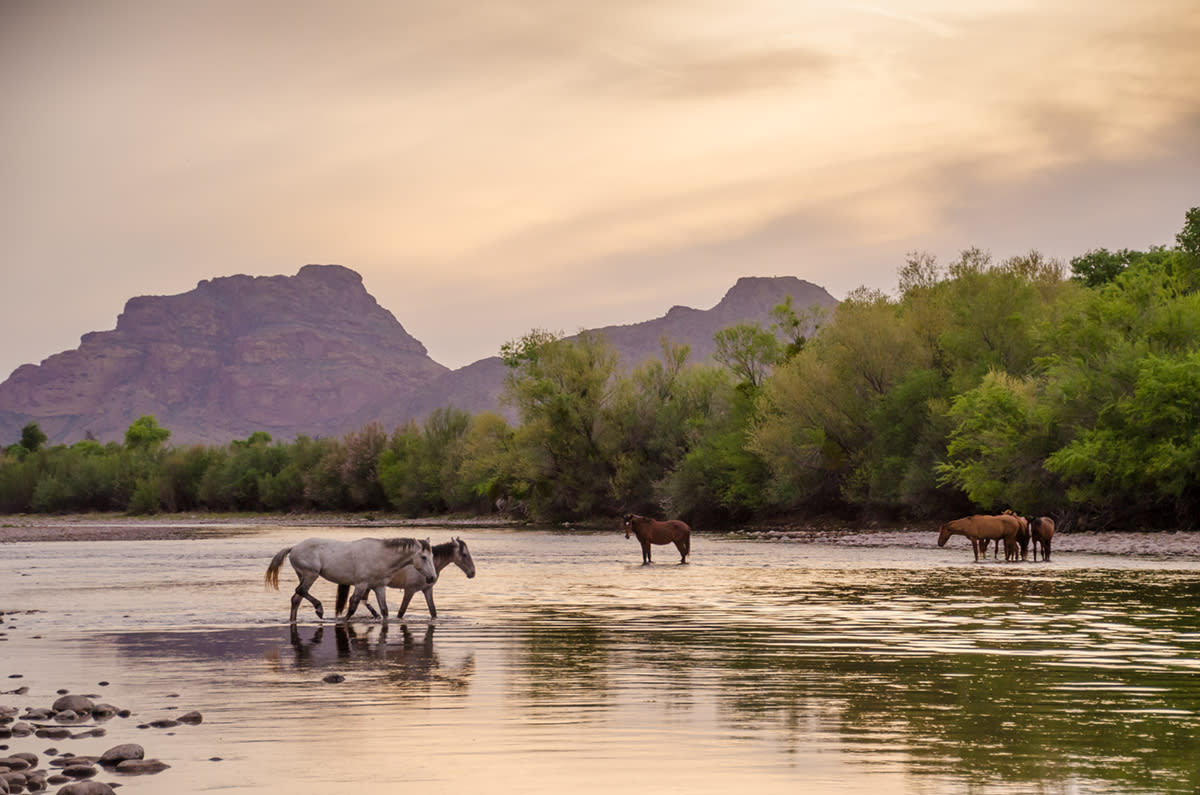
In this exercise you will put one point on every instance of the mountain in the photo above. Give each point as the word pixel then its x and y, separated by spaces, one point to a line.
pixel 477 386
pixel 311 353
pixel 282 354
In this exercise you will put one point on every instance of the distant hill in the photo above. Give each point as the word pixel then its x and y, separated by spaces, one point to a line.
pixel 477 386
pixel 283 354
pixel 312 353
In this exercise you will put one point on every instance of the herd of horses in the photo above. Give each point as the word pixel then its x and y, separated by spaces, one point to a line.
pixel 1017 532
pixel 372 565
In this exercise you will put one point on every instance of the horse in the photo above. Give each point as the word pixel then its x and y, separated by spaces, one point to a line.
pixel 978 527
pixel 1041 530
pixel 411 581
pixel 653 531
pixel 1022 538
pixel 367 564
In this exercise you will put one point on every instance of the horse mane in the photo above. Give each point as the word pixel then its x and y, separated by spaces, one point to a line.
pixel 407 543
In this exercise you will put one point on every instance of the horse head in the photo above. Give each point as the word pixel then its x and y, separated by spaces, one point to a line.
pixel 629 517
pixel 943 534
pixel 422 561
pixel 463 559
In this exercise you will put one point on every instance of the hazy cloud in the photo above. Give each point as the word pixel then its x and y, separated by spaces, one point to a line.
pixel 470 155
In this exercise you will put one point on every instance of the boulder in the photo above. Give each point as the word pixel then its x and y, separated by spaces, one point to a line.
pixel 87 788
pixel 137 767
pixel 122 753
pixel 75 703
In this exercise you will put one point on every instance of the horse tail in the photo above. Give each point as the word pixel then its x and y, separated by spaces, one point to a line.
pixel 272 577
pixel 687 542
pixel 343 595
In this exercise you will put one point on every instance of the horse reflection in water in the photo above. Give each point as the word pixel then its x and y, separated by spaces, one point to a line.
pixel 409 660
pixel 454 551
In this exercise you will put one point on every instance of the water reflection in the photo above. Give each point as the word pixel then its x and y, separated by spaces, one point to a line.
pixel 773 668
pixel 403 659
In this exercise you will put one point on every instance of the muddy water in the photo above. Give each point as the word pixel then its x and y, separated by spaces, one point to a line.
pixel 566 667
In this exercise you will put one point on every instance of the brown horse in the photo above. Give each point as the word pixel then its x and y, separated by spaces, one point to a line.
pixel 1004 527
pixel 653 531
pixel 1041 530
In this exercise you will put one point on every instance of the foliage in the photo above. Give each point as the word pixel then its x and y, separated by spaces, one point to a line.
pixel 981 385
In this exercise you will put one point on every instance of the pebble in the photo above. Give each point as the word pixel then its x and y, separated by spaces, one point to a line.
pixel 141 766
pixel 18 770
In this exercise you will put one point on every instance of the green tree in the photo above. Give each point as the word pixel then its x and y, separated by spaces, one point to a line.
pixel 748 351
pixel 562 389
pixel 145 433
pixel 994 454
pixel 32 437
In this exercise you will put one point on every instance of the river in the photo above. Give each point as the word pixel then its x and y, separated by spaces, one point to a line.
pixel 762 666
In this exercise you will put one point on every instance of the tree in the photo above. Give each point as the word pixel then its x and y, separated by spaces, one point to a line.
pixel 562 389
pixel 748 351
pixel 795 327
pixel 32 437
pixel 1100 266
pixel 145 433
pixel 993 454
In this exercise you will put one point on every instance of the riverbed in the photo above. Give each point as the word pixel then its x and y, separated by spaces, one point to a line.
pixel 873 662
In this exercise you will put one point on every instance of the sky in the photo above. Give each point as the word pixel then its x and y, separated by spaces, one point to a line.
pixel 490 168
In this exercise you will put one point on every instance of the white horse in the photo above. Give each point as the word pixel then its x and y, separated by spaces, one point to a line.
pixel 411 580
pixel 367 564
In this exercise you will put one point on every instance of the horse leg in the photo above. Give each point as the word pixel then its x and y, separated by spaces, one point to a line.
pixel 679 544
pixel 1045 549
pixel 366 602
pixel 429 601
pixel 381 597
pixel 408 595
pixel 975 548
pixel 306 581
pixel 355 598
pixel 645 551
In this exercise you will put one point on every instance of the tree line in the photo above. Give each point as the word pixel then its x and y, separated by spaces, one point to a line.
pixel 981 385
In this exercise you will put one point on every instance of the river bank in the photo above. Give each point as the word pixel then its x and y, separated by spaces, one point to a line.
pixel 121 527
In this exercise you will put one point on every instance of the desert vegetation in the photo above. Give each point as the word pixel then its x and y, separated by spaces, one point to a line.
pixel 979 385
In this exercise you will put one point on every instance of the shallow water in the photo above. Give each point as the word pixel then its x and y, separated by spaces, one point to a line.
pixel 565 666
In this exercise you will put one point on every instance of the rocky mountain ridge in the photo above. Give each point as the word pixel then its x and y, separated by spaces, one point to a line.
pixel 309 354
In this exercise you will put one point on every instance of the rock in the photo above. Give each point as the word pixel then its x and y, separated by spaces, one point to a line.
pixel 79 771
pixel 75 703
pixel 103 711
pixel 122 753
pixel 191 718
pixel 69 716
pixel 164 723
pixel 21 729
pixel 333 679
pixel 138 767
pixel 87 788
pixel 14 763
pixel 53 734
pixel 32 759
